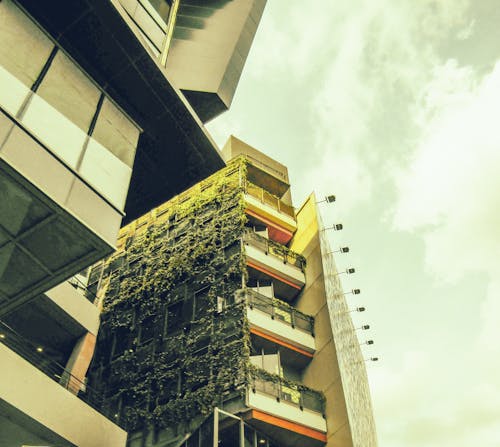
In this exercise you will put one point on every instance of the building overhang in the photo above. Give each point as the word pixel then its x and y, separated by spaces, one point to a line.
pixel 175 150
pixel 304 430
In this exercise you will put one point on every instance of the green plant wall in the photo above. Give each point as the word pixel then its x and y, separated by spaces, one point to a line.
pixel 172 341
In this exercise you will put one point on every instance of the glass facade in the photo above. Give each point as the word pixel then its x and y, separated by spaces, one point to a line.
pixel 47 93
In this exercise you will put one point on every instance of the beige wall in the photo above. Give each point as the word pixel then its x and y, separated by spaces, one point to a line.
pixel 349 412
pixel 313 301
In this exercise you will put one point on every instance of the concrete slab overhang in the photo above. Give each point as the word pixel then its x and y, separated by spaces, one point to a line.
pixel 287 273
pixel 44 239
pixel 286 422
pixel 174 151
pixel 49 405
pixel 280 332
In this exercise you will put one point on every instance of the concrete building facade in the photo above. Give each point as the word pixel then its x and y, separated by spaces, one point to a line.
pixel 95 129
pixel 224 322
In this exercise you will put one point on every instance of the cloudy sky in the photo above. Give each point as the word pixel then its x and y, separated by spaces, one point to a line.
pixel 394 106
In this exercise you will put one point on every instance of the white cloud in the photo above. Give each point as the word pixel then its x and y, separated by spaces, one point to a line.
pixel 451 186
pixel 449 196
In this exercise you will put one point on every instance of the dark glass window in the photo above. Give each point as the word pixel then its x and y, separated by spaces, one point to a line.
pixel 174 318
pixel 147 329
pixel 123 341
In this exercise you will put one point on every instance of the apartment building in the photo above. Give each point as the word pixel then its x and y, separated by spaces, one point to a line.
pixel 224 322
pixel 102 105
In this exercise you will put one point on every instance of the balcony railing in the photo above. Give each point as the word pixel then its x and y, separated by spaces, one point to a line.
pixel 270 247
pixel 79 285
pixel 268 199
pixel 284 390
pixel 278 310
pixel 35 355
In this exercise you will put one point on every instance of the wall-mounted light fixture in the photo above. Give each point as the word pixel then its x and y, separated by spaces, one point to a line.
pixel 356 309
pixel 367 342
pixel 328 199
pixel 335 227
pixel 340 250
pixel 364 327
pixel 371 359
pixel 353 291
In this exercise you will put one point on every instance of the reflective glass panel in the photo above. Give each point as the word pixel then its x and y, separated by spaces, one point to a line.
pixel 58 133
pixel 116 132
pixel 25 48
pixel 70 91
pixel 106 173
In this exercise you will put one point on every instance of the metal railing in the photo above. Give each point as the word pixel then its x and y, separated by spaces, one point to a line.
pixel 268 199
pixel 287 392
pixel 78 284
pixel 52 369
pixel 278 310
pixel 274 248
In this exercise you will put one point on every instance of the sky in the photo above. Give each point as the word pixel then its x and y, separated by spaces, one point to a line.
pixel 394 107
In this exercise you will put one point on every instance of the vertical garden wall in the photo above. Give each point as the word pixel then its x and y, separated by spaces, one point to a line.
pixel 173 343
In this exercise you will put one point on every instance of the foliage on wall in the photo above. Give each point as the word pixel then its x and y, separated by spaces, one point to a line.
pixel 173 341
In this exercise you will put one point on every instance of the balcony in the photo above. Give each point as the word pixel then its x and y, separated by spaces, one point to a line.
pixel 55 401
pixel 279 323
pixel 277 215
pixel 268 258
pixel 286 410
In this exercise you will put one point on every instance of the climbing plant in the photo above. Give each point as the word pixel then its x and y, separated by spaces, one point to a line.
pixel 174 342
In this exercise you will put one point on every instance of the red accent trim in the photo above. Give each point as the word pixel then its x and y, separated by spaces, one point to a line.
pixel 281 235
pixel 267 272
pixel 287 425
pixel 281 342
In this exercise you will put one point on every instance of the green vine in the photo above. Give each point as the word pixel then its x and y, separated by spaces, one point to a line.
pixel 184 256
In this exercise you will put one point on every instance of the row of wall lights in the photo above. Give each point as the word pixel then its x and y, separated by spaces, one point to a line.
pixel 348 271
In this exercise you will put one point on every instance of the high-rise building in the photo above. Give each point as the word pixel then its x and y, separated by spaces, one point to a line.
pixel 102 105
pixel 224 323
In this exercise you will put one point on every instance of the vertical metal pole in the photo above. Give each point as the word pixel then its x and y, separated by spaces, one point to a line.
pixel 216 427
pixel 172 17
pixel 242 433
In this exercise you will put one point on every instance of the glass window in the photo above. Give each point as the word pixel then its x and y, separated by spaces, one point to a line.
pixel 174 318
pixel 162 8
pixel 58 133
pixel 147 329
pixel 70 91
pixel 202 302
pixel 13 92
pixel 116 132
pixel 106 173
pixel 187 309
pixel 123 340
pixel 25 48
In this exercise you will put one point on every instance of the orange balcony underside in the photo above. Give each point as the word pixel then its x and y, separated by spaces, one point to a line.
pixel 287 425
pixel 273 275
pixel 276 232
pixel 280 342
